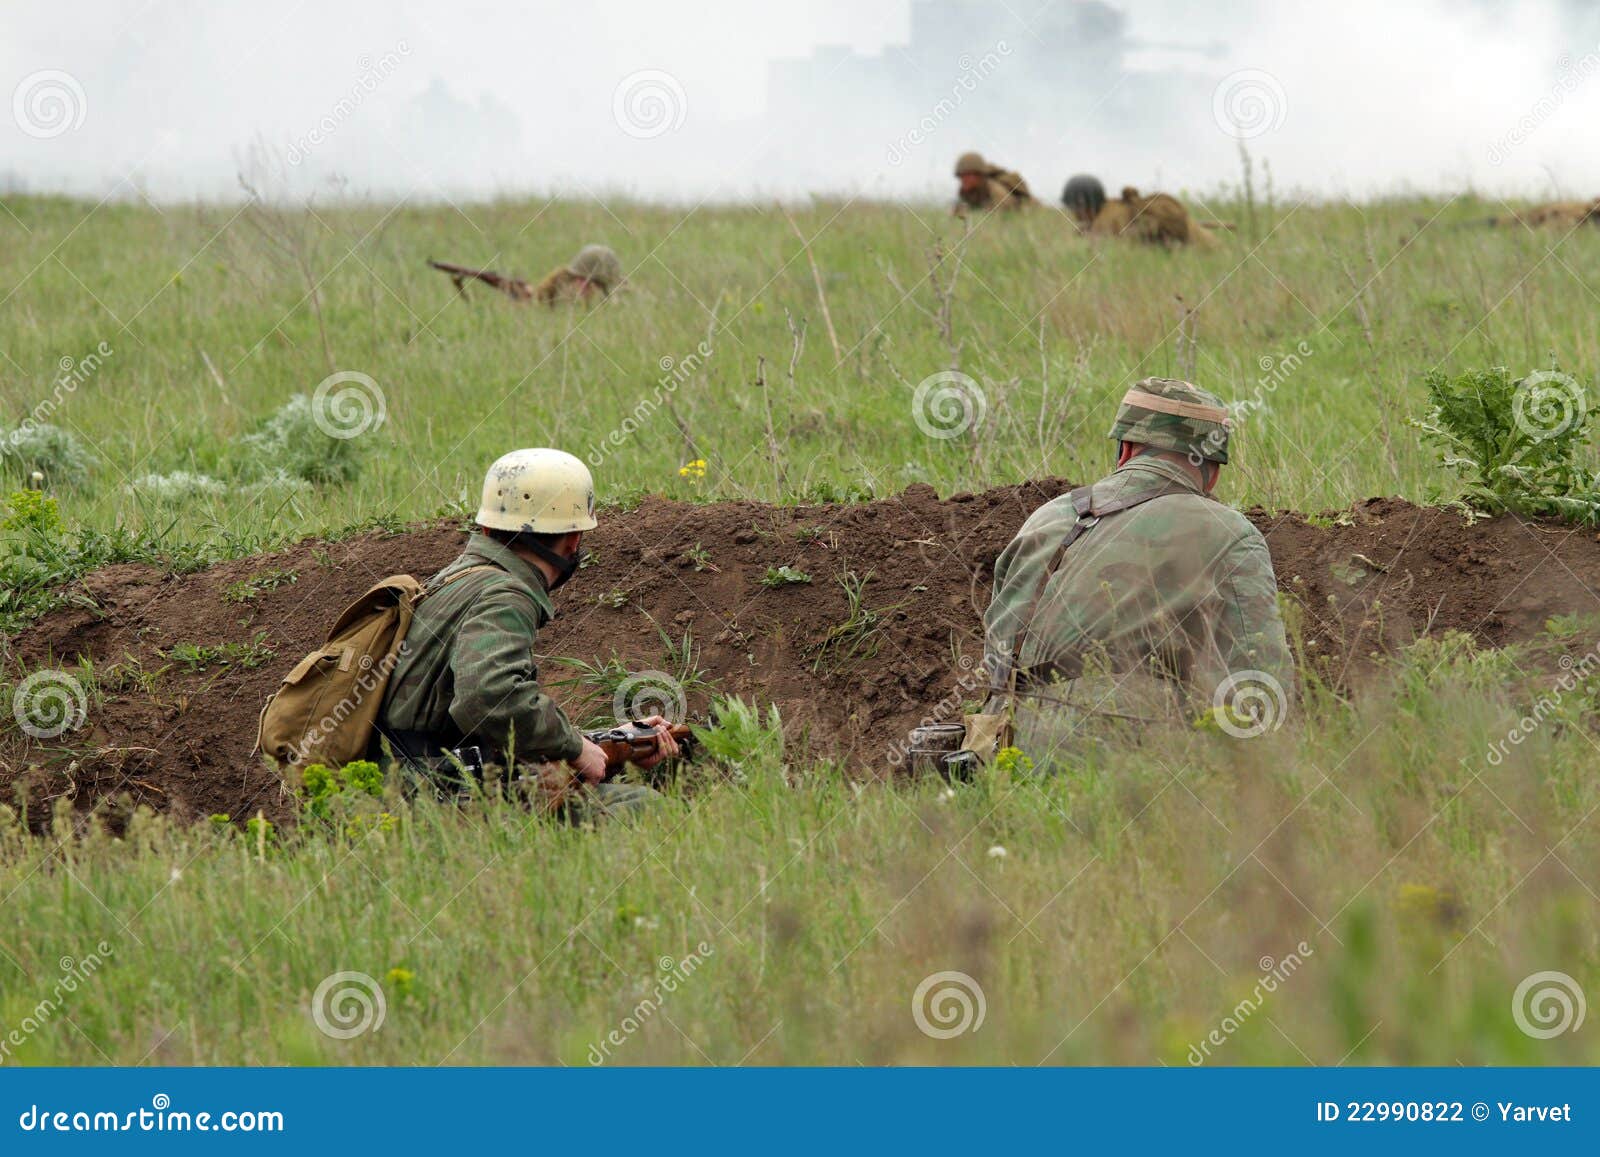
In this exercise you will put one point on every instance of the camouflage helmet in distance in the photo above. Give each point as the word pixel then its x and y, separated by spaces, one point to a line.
pixel 1173 415
pixel 597 263
pixel 972 163
pixel 538 491
pixel 1084 195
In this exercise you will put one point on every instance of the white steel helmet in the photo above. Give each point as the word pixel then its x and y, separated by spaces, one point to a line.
pixel 539 491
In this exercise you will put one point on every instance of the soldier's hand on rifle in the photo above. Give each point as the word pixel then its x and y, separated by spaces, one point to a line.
pixel 666 746
pixel 591 763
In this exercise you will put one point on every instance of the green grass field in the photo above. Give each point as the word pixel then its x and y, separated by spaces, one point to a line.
pixel 216 317
pixel 1365 885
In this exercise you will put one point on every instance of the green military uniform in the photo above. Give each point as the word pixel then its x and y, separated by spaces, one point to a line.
pixel 466 675
pixel 1165 594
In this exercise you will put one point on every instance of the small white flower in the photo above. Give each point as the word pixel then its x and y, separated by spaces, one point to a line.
pixel 175 875
pixel 997 853
pixel 947 795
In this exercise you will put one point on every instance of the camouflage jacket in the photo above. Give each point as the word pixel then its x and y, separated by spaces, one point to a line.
pixel 467 672
pixel 1179 588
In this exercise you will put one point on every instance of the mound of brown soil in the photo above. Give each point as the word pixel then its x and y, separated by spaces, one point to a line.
pixel 174 719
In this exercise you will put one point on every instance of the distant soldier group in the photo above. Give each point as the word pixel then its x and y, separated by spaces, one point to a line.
pixel 1569 214
pixel 1159 219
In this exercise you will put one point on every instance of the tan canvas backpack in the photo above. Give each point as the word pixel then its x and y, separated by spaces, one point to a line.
pixel 327 706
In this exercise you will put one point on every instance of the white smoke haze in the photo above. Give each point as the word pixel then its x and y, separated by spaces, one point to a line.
pixel 724 99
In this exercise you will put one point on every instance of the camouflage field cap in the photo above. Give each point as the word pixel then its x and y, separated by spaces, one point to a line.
pixel 1174 415
pixel 972 163
pixel 597 263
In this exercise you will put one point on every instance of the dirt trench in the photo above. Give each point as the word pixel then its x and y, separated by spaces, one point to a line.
pixel 1369 579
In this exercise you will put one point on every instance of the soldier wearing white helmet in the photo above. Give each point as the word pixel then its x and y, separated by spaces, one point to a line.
pixel 466 676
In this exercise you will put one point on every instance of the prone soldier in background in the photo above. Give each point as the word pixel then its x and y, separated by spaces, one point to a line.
pixel 985 186
pixel 1159 219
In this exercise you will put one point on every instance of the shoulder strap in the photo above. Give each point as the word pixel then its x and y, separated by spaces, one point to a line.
pixel 462 573
pixel 1089 516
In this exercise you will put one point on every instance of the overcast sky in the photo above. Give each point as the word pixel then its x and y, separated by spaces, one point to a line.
pixel 657 98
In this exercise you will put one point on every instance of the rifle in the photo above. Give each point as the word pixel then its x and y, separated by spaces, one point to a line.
pixel 514 287
pixel 631 741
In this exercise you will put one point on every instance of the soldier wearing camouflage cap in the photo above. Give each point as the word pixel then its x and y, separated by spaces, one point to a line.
pixel 595 269
pixel 466 675
pixel 985 186
pixel 1140 597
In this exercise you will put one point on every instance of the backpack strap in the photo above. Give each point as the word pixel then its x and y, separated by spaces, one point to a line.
pixel 1089 517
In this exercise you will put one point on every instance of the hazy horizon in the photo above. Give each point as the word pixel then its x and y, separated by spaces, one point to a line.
pixel 729 102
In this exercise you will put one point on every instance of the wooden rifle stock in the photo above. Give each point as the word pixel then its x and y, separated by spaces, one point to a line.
pixel 631 741
pixel 514 287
